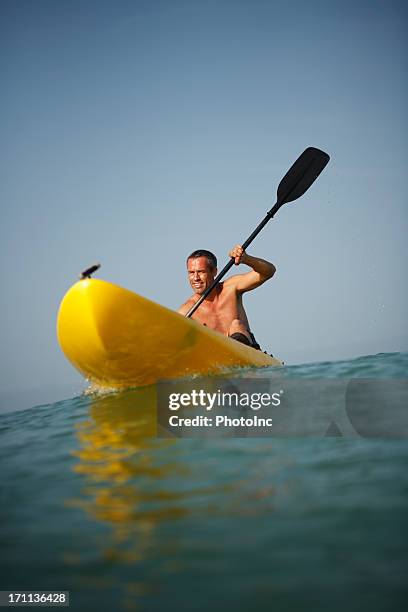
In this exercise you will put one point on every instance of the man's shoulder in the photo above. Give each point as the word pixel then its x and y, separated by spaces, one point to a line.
pixel 231 282
pixel 184 308
pixel 189 302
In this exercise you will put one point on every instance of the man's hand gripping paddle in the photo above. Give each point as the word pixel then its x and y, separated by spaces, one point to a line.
pixel 294 184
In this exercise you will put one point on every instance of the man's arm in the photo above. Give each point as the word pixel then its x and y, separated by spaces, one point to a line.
pixel 262 270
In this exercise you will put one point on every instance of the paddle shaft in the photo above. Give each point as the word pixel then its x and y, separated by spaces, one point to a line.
pixel 229 265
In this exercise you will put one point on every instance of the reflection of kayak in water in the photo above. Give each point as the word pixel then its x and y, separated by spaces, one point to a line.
pixel 127 485
pixel 117 338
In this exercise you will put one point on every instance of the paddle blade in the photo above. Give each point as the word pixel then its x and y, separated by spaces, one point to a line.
pixel 301 175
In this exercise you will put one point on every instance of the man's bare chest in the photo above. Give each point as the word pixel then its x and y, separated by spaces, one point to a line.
pixel 220 312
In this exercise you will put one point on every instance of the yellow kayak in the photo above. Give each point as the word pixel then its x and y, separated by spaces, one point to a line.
pixel 118 339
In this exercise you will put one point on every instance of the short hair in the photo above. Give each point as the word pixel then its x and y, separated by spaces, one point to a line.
pixel 211 258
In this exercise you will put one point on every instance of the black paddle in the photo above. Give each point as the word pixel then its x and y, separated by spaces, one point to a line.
pixel 296 181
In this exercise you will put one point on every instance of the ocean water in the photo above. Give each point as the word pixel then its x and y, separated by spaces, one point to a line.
pixel 92 502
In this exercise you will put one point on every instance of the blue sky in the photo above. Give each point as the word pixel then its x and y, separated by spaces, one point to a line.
pixel 135 132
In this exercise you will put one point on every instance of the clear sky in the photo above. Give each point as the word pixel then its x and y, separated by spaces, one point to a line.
pixel 134 132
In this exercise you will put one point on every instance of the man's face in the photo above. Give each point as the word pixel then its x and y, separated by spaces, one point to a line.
pixel 200 274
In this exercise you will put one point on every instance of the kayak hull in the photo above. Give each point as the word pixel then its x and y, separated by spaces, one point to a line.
pixel 118 339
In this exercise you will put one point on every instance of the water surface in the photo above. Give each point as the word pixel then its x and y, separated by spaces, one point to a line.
pixel 92 502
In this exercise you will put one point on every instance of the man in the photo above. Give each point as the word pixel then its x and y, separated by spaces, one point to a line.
pixel 223 310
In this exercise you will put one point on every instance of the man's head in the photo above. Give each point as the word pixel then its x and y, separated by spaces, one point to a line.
pixel 202 269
